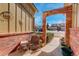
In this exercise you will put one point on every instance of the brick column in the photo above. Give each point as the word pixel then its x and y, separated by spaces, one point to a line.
pixel 68 26
pixel 44 28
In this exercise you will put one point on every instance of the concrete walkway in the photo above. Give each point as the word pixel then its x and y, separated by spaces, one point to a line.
pixel 51 49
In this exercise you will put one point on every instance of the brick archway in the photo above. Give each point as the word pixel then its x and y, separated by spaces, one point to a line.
pixel 65 10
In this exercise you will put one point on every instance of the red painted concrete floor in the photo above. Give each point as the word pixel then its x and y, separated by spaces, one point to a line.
pixel 7 44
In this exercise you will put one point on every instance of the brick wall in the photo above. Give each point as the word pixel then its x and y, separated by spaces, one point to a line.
pixel 8 42
pixel 74 41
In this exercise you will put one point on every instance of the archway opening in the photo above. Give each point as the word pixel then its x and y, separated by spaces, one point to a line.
pixel 56 25
pixel 56 20
pixel 66 10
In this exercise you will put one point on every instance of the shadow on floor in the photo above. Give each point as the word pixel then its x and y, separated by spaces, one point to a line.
pixel 66 51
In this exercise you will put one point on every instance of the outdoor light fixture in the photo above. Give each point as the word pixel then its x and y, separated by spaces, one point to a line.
pixel 5 14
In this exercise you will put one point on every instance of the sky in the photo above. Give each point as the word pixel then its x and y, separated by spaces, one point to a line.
pixel 53 19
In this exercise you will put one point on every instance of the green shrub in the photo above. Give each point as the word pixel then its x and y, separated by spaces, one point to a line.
pixel 49 36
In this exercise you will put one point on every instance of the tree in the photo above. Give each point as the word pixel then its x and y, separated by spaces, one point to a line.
pixel 47 25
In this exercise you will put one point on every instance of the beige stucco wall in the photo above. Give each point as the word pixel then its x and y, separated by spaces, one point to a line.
pixel 27 22
pixel 12 17
pixel 18 19
pixel 75 15
pixel 31 23
pixel 3 22
pixel 22 18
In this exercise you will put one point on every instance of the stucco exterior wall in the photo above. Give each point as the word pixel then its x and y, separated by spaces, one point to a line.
pixel 75 15
pixel 27 23
pixel 3 22
pixel 21 18
pixel 19 25
pixel 12 17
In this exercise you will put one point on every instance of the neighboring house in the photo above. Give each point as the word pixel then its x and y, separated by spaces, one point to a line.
pixel 52 28
pixel 55 27
pixel 17 18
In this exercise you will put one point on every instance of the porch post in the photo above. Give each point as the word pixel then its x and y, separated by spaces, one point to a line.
pixel 68 26
pixel 44 29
